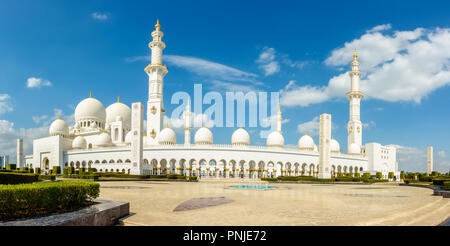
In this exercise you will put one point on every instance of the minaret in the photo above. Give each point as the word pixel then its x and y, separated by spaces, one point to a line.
pixel 429 159
pixel 354 96
pixel 279 119
pixel 156 72
pixel 187 124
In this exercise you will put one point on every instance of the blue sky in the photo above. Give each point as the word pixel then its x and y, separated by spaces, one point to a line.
pixel 52 53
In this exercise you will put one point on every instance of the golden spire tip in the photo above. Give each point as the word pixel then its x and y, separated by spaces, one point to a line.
pixel 157 24
pixel 355 55
pixel 90 94
pixel 118 99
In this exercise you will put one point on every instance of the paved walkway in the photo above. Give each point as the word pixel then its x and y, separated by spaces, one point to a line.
pixel 153 203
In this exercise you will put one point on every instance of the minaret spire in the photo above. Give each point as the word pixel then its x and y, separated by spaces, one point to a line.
pixel 354 96
pixel 279 119
pixel 156 72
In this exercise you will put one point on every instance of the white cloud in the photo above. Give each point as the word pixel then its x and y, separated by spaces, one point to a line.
pixel 197 121
pixel 37 82
pixel 4 104
pixel 311 127
pixel 412 159
pixel 380 28
pixel 267 61
pixel 9 134
pixel 441 154
pixel 369 124
pixel 303 96
pixel 99 16
pixel 403 66
pixel 38 119
pixel 231 87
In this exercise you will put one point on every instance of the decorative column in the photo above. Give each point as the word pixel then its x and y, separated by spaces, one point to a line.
pixel 19 153
pixel 324 146
pixel 430 160
pixel 137 129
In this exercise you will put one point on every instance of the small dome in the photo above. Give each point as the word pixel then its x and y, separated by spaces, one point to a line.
pixel 90 108
pixel 203 136
pixel 79 143
pixel 275 139
pixel 334 146
pixel 103 140
pixel 118 111
pixel 59 127
pixel 354 149
pixel 306 143
pixel 129 137
pixel 167 137
pixel 240 137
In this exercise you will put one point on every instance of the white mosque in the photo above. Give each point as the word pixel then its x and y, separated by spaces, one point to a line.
pixel 113 140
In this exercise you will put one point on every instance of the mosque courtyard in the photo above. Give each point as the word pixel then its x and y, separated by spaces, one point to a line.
pixel 217 202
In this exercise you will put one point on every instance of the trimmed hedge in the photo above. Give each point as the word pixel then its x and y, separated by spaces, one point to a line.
pixel 192 178
pixel 17 178
pixel 269 179
pixel 27 200
pixel 56 170
pixel 11 167
pixel 47 177
pixel 37 170
pixel 447 185
pixel 82 176
pixel 440 181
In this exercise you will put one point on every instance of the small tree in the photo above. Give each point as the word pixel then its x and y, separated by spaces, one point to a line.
pixel 391 175
pixel 378 175
pixel 38 170
pixel 402 175
pixel 366 175
pixel 357 175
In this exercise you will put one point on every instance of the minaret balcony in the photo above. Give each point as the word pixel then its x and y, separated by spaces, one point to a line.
pixel 355 94
pixel 154 67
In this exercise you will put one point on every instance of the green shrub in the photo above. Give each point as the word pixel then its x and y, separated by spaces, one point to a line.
pixel 31 170
pixel 192 178
pixel 25 169
pixel 391 175
pixel 440 180
pixel 447 185
pixel 92 170
pixel 378 175
pixel 17 178
pixel 375 180
pixel 82 176
pixel 174 176
pixel 11 166
pixel 366 176
pixel 71 170
pixel 27 200
pixel 402 175
pixel 65 171
pixel 407 181
pixel 37 170
pixel 357 175
pixel 47 177
pixel 56 170
pixel 269 179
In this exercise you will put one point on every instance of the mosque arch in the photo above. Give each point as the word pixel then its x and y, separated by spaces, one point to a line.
pixel 104 161
pixel 97 162
pixel 119 161
pixel 163 166
pixel 77 164
pixel 111 161
pixel 71 164
pixel 311 169
pixel 127 161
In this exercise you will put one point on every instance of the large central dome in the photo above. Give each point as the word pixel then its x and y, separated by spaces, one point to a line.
pixel 90 108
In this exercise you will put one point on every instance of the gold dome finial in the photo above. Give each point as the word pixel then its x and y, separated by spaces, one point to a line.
pixel 157 24
pixel 90 94
pixel 167 126
pixel 118 98
pixel 306 133
pixel 59 116
pixel 355 55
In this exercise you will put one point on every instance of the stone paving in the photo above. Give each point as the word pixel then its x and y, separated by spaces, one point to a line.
pixel 289 204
